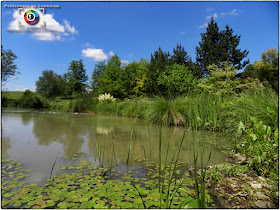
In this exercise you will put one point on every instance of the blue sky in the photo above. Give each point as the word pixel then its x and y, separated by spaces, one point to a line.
pixel 93 31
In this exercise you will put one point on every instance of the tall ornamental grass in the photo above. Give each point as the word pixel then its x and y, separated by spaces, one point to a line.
pixel 167 111
pixel 261 104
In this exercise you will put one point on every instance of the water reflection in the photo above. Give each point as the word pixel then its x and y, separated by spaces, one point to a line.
pixel 37 138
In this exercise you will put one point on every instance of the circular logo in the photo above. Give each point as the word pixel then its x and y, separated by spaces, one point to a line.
pixel 31 17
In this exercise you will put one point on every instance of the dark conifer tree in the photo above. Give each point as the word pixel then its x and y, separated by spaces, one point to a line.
pixel 218 46
pixel 159 61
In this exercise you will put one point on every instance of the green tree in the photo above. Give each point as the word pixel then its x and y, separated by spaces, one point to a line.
pixel 97 72
pixel 177 80
pixel 76 77
pixel 110 80
pixel 8 67
pixel 217 47
pixel 30 100
pixel 159 60
pixel 180 56
pixel 220 80
pixel 268 68
pixel 249 71
pixel 50 84
pixel 133 78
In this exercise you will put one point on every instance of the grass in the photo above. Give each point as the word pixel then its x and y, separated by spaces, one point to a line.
pixel 262 104
pixel 167 111
pixel 12 94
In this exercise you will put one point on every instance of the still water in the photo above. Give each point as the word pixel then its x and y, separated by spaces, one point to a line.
pixel 37 139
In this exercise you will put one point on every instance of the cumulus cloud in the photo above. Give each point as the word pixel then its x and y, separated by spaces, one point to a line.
pixel 46 36
pixel 124 61
pixel 69 28
pixel 47 29
pixel 95 54
pixel 111 53
pixel 215 16
pixel 232 13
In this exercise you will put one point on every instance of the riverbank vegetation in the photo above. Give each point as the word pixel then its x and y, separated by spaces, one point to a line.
pixel 172 90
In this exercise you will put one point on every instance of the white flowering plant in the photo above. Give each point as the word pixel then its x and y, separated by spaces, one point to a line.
pixel 106 97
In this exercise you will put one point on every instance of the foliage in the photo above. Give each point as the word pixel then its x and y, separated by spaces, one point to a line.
pixel 222 81
pixel 250 71
pixel 159 60
pixel 8 67
pixel 268 68
pixel 97 72
pixel 134 78
pixel 30 100
pixel 177 80
pixel 219 46
pixel 76 77
pixel 132 109
pixel 167 111
pixel 108 107
pixel 225 169
pixel 83 103
pixel 50 84
pixel 261 144
pixel 261 103
pixel 203 111
pixel 110 80
pixel 180 55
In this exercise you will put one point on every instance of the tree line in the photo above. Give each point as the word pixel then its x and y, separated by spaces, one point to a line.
pixel 218 58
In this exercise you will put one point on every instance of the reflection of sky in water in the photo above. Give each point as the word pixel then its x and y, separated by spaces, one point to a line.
pixel 37 139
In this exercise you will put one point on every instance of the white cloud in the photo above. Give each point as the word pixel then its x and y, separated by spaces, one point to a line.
pixel 182 33
pixel 111 53
pixel 96 54
pixel 124 61
pixel 5 83
pixel 47 29
pixel 69 28
pixel 209 9
pixel 204 25
pixel 46 36
pixel 215 16
pixel 232 13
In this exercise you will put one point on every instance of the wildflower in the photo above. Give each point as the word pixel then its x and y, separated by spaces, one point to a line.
pixel 105 97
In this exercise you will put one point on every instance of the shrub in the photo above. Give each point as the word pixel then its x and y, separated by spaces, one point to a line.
pixel 30 100
pixel 132 109
pixel 83 103
pixel 108 107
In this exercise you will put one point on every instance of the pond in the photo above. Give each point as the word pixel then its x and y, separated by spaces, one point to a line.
pixel 38 139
